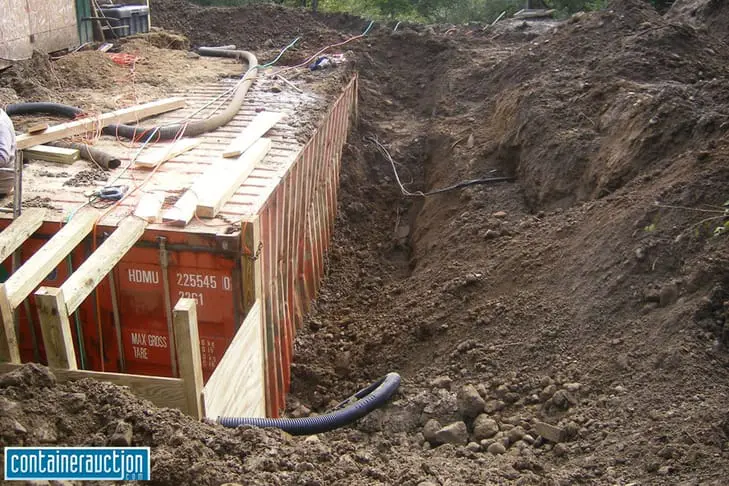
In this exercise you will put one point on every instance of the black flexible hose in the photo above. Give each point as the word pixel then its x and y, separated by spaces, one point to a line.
pixel 167 132
pixel 345 413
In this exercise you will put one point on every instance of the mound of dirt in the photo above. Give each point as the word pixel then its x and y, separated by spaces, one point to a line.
pixel 258 27
pixel 565 328
pixel 712 15
pixel 89 69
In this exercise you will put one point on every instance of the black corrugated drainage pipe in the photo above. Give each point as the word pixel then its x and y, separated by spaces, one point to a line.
pixel 345 413
pixel 167 132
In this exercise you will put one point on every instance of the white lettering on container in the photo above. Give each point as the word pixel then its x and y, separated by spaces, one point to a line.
pixel 197 281
pixel 143 276
pixel 141 342
pixel 199 299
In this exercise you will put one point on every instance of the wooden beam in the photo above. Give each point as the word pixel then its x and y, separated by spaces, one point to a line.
pixel 158 155
pixel 49 256
pixel 20 230
pixel 150 207
pixel 183 211
pixel 237 386
pixel 90 124
pixel 85 279
pixel 218 188
pixel 187 344
pixel 52 154
pixel 250 236
pixel 162 391
pixel 9 351
pixel 56 329
pixel 258 127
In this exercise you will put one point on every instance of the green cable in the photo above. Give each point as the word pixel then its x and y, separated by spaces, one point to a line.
pixel 369 27
pixel 269 64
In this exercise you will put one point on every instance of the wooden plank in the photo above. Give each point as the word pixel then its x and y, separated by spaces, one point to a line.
pixel 85 279
pixel 158 155
pixel 236 388
pixel 82 125
pixel 187 345
pixel 248 263
pixel 49 256
pixel 37 128
pixel 56 328
pixel 183 211
pixel 217 189
pixel 20 230
pixel 150 207
pixel 9 351
pixel 52 154
pixel 161 391
pixel 216 186
pixel 261 124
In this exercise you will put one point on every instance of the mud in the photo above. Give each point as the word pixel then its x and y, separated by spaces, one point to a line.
pixel 565 328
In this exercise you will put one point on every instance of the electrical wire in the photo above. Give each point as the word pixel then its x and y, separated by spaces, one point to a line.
pixel 312 58
pixel 385 153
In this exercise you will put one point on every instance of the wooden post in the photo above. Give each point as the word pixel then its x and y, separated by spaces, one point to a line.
pixel 56 329
pixel 9 352
pixel 250 266
pixel 187 343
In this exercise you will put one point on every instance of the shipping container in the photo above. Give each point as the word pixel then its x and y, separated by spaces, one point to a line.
pixel 267 245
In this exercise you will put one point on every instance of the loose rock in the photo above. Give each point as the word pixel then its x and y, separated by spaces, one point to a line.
pixel 497 448
pixel 484 427
pixel 441 382
pixel 560 450
pixel 470 403
pixel 455 433
pixel 430 429
pixel 122 436
pixel 549 432
pixel 493 406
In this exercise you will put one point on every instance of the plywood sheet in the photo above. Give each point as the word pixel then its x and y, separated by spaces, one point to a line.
pixel 236 387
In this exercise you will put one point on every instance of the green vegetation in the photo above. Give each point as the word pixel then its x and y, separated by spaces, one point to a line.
pixel 433 11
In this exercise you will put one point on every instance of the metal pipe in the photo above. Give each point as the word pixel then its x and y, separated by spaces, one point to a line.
pixel 117 321
pixel 164 263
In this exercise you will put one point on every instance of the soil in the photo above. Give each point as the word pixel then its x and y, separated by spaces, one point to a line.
pixel 590 294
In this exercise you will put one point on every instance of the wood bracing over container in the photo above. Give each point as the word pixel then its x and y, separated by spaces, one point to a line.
pixel 94 294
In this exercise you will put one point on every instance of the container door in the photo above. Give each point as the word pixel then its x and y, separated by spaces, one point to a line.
pixel 85 29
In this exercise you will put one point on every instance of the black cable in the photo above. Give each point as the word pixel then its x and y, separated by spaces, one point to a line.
pixel 454 187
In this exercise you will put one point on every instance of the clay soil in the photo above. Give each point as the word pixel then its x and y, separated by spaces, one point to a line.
pixel 589 293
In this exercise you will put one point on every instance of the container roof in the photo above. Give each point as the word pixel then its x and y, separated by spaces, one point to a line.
pixel 64 188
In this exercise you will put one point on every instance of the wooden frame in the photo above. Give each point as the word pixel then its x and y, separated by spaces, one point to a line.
pixel 184 393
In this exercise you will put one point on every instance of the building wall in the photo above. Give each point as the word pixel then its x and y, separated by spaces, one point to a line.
pixel 43 25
